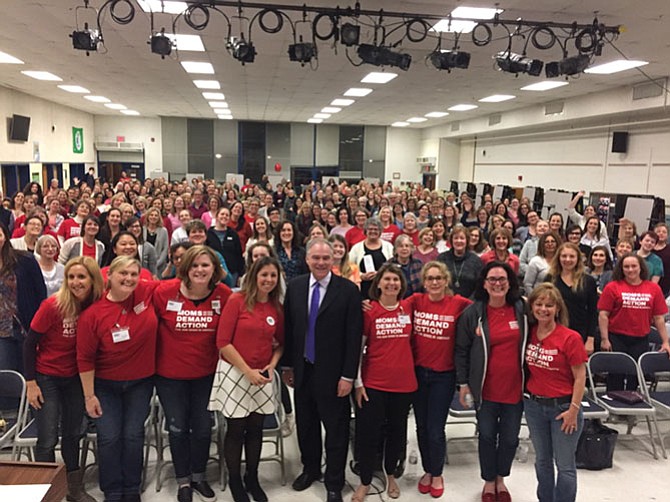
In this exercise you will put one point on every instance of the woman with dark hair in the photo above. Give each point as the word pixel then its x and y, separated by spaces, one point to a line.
pixel 662 250
pixel 343 222
pixel 177 252
pixel 125 244
pixel 145 251
pixel 574 234
pixel 86 244
pixel 262 232
pixel 539 264
pixel 477 241
pixel 500 241
pixel 238 223
pixel 71 227
pixel 556 224
pixel 290 252
pixel 591 236
pixel 398 215
pixel 22 289
pixel 108 230
pixel 599 266
pixel 35 189
pixel 627 308
pixel 490 342
pixel 225 240
pixel 464 266
pixel 648 241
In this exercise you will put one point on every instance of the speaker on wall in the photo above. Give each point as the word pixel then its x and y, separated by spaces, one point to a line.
pixel 619 142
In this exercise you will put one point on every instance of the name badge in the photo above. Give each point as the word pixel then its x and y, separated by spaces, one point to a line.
pixel 120 335
pixel 174 306
pixel 140 307
pixel 404 319
pixel 216 306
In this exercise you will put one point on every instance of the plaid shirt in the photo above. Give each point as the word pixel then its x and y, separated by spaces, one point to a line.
pixel 412 272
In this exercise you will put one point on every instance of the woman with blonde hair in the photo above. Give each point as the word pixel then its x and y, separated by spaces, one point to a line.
pixel 154 233
pixel 50 360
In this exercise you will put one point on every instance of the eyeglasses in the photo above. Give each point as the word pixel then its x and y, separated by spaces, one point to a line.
pixel 499 280
pixel 433 278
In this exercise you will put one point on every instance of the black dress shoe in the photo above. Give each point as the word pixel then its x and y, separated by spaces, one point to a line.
pixel 334 496
pixel 304 481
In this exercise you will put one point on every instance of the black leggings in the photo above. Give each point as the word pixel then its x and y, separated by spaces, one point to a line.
pixel 247 432
pixel 634 346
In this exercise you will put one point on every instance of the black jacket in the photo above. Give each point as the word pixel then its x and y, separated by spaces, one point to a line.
pixel 472 350
pixel 230 249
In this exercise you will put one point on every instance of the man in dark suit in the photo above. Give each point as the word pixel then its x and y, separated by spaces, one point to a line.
pixel 322 348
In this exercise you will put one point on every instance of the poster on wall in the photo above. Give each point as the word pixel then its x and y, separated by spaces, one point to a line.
pixel 603 209
pixel 36 151
pixel 77 140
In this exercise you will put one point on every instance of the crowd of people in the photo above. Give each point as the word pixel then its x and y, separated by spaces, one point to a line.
pixel 376 296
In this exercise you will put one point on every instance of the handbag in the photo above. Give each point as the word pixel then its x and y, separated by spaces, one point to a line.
pixel 595 448
pixel 626 396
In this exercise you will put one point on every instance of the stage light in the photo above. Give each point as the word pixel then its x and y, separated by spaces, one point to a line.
pixel 568 66
pixel 85 40
pixel 350 34
pixel 302 52
pixel 446 60
pixel 383 56
pixel 516 63
pixel 240 49
pixel 161 45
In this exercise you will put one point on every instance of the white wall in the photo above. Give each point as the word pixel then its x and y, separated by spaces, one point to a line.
pixel 146 130
pixel 403 146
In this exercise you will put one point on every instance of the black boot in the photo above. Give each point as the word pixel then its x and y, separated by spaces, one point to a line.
pixel 253 487
pixel 237 490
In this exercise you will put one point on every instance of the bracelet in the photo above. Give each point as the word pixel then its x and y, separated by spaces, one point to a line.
pixel 575 405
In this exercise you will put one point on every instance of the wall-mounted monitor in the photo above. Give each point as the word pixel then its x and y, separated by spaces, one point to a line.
pixel 19 128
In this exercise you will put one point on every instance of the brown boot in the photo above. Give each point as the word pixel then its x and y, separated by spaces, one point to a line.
pixel 75 488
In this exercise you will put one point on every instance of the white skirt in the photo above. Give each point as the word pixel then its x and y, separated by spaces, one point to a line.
pixel 235 397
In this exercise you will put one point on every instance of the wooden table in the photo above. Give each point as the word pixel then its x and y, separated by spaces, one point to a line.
pixel 34 473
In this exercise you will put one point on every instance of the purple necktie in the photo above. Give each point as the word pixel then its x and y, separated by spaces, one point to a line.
pixel 310 343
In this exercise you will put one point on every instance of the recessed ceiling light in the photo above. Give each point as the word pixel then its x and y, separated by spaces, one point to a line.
pixel 331 109
pixel 97 99
pixel 400 124
pixel 225 117
pixel 187 42
pixel 358 91
pixel 462 108
pixel 416 120
pixel 74 88
pixel 322 115
pixel 168 7
pixel 207 84
pixel 475 12
pixel 213 95
pixel 436 115
pixel 497 98
pixel 115 106
pixel 545 85
pixel 377 77
pixel 342 102
pixel 198 67
pixel 314 121
pixel 42 75
pixel 221 111
pixel 615 66
pixel 218 104
pixel 8 59
pixel 130 112
pixel 454 26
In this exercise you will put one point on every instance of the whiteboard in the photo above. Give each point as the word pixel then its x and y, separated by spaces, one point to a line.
pixel 154 175
pixel 235 179
pixel 529 192
pixel 556 201
pixel 639 212
pixel 275 179
pixel 192 176
pixel 498 191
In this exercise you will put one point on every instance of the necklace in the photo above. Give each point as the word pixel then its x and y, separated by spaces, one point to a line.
pixel 391 307
pixel 457 283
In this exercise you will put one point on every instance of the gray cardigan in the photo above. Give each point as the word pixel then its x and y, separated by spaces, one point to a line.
pixel 161 246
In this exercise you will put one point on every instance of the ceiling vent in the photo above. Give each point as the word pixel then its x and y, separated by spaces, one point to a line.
pixel 455 126
pixel 494 119
pixel 649 89
pixel 554 108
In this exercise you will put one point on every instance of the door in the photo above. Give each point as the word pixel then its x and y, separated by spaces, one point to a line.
pixel 14 178
pixel 51 172
pixel 429 181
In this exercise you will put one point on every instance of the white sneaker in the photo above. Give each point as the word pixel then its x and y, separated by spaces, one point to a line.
pixel 287 425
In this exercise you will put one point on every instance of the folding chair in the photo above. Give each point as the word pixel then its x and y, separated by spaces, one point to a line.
pixel 621 364
pixel 651 365
pixel 13 406
pixel 463 416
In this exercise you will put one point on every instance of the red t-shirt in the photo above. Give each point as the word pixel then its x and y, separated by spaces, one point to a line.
pixel 632 308
pixel 104 346
pixel 145 275
pixel 414 236
pixel 388 363
pixel 512 259
pixel 89 251
pixel 69 228
pixel 253 334
pixel 390 233
pixel 186 345
pixel 435 329
pixel 550 361
pixel 57 348
pixel 503 372
pixel 353 236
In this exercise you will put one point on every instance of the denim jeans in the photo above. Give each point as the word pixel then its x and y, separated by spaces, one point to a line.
pixel 125 407
pixel 553 446
pixel 189 424
pixel 64 405
pixel 431 407
pixel 11 354
pixel 499 426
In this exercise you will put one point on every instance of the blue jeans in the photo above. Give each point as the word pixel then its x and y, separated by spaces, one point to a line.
pixel 189 424
pixel 431 407
pixel 553 445
pixel 125 407
pixel 63 405
pixel 499 426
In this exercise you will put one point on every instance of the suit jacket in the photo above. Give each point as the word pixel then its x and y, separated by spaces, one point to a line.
pixel 338 332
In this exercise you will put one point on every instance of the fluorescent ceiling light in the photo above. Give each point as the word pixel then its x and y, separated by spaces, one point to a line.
pixel 475 12
pixel 615 66
pixel 187 42
pixel 198 67
pixel 462 108
pixel 454 26
pixel 225 117
pixel 207 84
pixel 416 120
pixel 115 106
pixel 331 109
pixel 400 124
pixel 74 88
pixel 221 111
pixel 497 98
pixel 322 115
pixel 213 95
pixel 97 99
pixel 130 112
pixel 8 59
pixel 436 115
pixel 314 121
pixel 166 6
pixel 545 85
pixel 42 75
pixel 358 91
pixel 218 104
pixel 342 102
pixel 377 77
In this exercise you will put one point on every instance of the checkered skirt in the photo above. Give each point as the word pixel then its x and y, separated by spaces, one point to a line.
pixel 234 396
